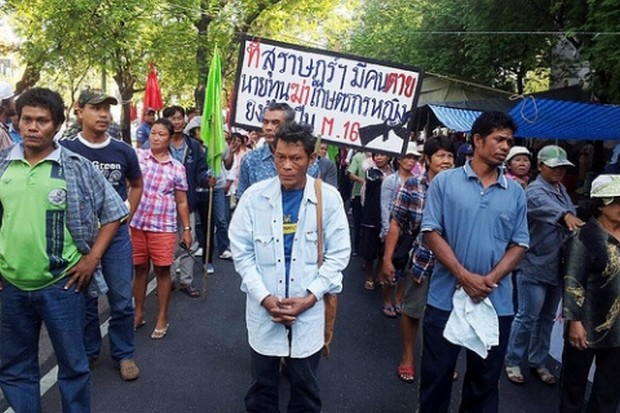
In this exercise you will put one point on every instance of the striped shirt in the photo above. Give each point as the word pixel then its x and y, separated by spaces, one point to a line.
pixel 157 211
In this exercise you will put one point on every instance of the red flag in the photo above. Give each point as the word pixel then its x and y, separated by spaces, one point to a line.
pixel 152 93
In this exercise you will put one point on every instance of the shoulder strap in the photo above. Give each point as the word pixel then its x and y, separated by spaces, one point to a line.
pixel 319 220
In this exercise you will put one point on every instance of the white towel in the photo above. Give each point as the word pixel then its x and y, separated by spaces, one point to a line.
pixel 473 326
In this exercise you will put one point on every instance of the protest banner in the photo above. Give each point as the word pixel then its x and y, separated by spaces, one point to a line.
pixel 348 100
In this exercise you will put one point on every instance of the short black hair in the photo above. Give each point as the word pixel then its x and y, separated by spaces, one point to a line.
pixel 166 122
pixel 487 122
pixel 42 98
pixel 289 113
pixel 293 132
pixel 171 110
pixel 436 143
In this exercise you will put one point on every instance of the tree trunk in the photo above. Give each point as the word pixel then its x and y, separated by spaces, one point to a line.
pixel 125 82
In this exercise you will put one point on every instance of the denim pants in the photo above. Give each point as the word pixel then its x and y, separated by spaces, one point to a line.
pixel 263 397
pixel 221 217
pixel 62 311
pixel 530 335
pixel 117 269
pixel 605 395
pixel 439 356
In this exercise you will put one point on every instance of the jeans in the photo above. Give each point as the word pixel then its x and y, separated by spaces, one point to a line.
pixel 605 396
pixel 480 384
pixel 118 273
pixel 62 311
pixel 221 216
pixel 531 328
pixel 263 397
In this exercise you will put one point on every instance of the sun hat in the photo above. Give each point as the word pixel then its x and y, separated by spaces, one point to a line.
pixel 553 156
pixel 606 187
pixel 517 150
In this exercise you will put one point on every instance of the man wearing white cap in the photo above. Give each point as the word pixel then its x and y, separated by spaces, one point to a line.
pixel 7 109
pixel 551 217
pixel 591 297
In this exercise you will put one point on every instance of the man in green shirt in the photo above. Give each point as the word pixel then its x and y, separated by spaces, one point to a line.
pixel 51 204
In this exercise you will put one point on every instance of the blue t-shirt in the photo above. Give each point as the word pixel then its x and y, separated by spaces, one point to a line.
pixel 115 159
pixel 291 201
pixel 479 224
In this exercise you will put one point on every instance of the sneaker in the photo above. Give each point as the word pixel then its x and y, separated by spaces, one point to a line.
pixel 210 269
pixel 226 255
pixel 199 252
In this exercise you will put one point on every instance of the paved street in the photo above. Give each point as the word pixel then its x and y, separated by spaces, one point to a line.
pixel 203 363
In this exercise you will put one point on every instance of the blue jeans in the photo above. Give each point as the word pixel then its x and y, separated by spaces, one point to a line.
pixel 221 216
pixel 481 382
pixel 118 273
pixel 62 311
pixel 263 397
pixel 531 329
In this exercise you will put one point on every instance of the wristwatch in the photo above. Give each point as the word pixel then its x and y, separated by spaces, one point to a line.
pixel 187 228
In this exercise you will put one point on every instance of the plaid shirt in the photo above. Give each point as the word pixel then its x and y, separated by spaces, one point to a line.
pixel 157 210
pixel 407 211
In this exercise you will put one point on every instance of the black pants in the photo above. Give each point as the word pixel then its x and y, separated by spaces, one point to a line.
pixel 356 211
pixel 439 356
pixel 263 397
pixel 605 395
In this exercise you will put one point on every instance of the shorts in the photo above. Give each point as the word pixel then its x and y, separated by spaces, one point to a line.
pixel 414 299
pixel 157 247
pixel 371 246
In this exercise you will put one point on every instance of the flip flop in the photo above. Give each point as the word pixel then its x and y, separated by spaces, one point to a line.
pixel 139 325
pixel 160 333
pixel 545 375
pixel 388 311
pixel 369 285
pixel 190 290
pixel 406 373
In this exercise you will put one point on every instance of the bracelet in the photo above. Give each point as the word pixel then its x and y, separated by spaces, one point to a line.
pixel 187 228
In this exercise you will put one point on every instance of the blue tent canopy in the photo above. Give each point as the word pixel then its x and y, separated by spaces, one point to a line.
pixel 547 119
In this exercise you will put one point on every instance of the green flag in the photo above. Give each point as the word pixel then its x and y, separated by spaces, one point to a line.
pixel 212 127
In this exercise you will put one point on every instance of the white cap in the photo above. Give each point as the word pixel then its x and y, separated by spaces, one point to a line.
pixel 194 123
pixel 6 91
pixel 412 149
pixel 606 187
pixel 517 150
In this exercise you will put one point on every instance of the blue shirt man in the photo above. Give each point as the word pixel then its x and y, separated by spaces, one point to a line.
pixel 475 223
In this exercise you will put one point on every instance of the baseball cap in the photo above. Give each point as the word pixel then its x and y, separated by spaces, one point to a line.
pixel 94 98
pixel 149 110
pixel 553 156
pixel 193 124
pixel 465 149
pixel 6 91
pixel 517 150
pixel 606 187
pixel 412 149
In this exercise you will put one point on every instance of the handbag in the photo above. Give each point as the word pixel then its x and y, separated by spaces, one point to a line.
pixel 400 257
pixel 329 300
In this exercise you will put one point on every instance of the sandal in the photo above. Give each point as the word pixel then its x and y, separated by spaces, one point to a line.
pixel 190 290
pixel 405 373
pixel 160 333
pixel 514 374
pixel 545 375
pixel 398 309
pixel 139 325
pixel 369 285
pixel 388 311
pixel 129 370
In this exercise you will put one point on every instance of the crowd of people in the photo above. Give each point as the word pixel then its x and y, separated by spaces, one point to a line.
pixel 468 244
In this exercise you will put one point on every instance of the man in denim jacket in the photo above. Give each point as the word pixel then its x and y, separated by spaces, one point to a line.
pixel 274 241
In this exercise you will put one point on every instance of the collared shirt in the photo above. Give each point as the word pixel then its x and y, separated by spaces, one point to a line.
pixel 256 239
pixel 407 212
pixel 91 202
pixel 546 206
pixel 5 138
pixel 157 210
pixel 479 224
pixel 142 133
pixel 592 284
pixel 258 165
pixel 389 190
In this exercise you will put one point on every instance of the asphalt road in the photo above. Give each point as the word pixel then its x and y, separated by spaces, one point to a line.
pixel 203 365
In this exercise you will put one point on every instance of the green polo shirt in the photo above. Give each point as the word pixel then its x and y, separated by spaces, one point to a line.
pixel 36 247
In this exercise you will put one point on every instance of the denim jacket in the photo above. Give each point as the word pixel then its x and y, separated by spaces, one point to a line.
pixel 258 252
pixel 91 202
